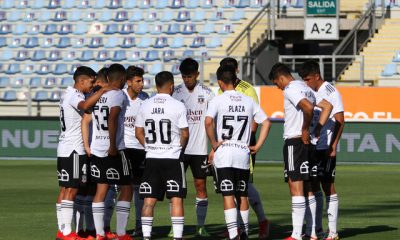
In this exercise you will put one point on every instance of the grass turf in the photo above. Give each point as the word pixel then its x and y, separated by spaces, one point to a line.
pixel 369 203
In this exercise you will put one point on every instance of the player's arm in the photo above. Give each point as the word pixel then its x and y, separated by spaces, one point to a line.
pixel 265 127
pixel 184 137
pixel 337 132
pixel 112 130
pixel 85 125
pixel 91 101
pixel 210 130
pixel 326 108
pixel 307 109
pixel 139 134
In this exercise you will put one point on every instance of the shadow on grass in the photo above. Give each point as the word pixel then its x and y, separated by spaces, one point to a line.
pixel 351 232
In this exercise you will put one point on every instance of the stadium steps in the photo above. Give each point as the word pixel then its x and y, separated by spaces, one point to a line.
pixel 378 52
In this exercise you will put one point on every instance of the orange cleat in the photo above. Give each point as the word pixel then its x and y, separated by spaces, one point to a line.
pixel 125 237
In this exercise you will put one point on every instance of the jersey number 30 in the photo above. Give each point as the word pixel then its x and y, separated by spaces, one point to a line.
pixel 164 126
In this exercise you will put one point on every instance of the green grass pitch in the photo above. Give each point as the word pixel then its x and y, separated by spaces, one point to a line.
pixel 369 202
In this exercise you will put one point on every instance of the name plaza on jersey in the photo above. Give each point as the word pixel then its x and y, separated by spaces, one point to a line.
pixel 238 108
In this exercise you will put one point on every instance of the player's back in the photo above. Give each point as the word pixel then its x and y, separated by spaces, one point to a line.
pixel 162 117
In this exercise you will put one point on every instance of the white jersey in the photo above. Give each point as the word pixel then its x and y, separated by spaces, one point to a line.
pixel 233 114
pixel 101 111
pixel 196 103
pixel 294 92
pixel 162 117
pixel 132 110
pixel 332 95
pixel 70 138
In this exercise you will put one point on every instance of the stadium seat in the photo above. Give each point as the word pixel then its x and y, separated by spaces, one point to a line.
pixel 68 4
pixel 136 16
pixel 59 16
pixel 396 57
pixel 147 83
pixel 44 69
pixel 14 17
pixel 189 29
pixel 54 4
pixel 126 28
pixel 115 4
pixel 17 82
pixel 215 42
pixel 226 29
pixel 389 70
pixel 9 96
pixel 66 82
pixel 142 28
pixel 183 16
pixel 111 29
pixel 121 16
pixel 78 43
pixel 7 4
pixel 156 68
pixel 256 3
pixel 199 16
pixel 238 15
pixel 145 42
pixel 95 66
pixel 177 4
pixel 151 16
pixel 31 42
pixel 5 29
pixel 99 4
pixel 22 55
pixel 73 68
pixel 3 16
pixel 175 69
pixel 178 42
pixel 29 17
pixel 151 55
pixel 19 29
pixel 167 16
pixel 96 42
pixel 83 4
pixel 161 42
pixel 28 69
pixel 134 56
pixel 16 42
pixel 39 55
pixel 169 55
pixel 112 42
pixel 161 4
pixel 38 4
pixel 103 55
pixel 192 4
pixel 1 68
pixel 50 82
pixel 35 82
pixel 34 29
pixel 207 4
pixel 55 96
pixel 229 4
pixel 187 54
pixel 55 55
pixel 243 4
pixel 4 82
pixel 128 42
pixel 208 28
pixel 105 16
pixel 130 4
pixel 22 4
pixel 119 55
pixel 40 96
pixel 173 28
pixel 145 4
pixel 89 16
pixel 3 42
pixel 87 55
pixel 47 42
pixel 44 16
pixel 65 29
pixel 13 68
pixel 74 16
pixel 198 42
pixel 218 15
pixel 50 29
pixel 64 42
pixel 80 29
pixel 298 3
pixel 6 55
pixel 156 29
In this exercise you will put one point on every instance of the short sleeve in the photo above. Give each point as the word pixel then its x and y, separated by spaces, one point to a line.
pixel 117 100
pixel 75 99
pixel 182 118
pixel 212 108
pixel 294 95
pixel 259 115
pixel 336 101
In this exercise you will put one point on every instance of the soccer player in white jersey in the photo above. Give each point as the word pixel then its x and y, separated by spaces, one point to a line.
pixel 71 158
pixel 134 151
pixel 196 97
pixel 230 116
pixel 299 101
pixel 108 163
pixel 162 128
pixel 326 147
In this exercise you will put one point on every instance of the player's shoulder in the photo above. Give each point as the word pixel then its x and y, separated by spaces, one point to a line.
pixel 244 85
pixel 328 89
pixel 178 89
pixel 205 88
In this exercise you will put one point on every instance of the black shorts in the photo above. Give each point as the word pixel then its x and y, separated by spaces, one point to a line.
pixel 198 165
pixel 163 177
pixel 136 159
pixel 232 181
pixel 313 162
pixel 326 167
pixel 72 170
pixel 111 170
pixel 295 155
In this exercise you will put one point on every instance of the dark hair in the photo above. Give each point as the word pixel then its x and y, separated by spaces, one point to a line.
pixel 189 66
pixel 84 71
pixel 226 74
pixel 164 77
pixel 102 74
pixel 133 71
pixel 277 70
pixel 309 67
pixel 115 71
pixel 229 61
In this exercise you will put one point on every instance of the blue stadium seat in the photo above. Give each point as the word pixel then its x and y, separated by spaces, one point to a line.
pixel 4 82
pixel 396 57
pixel 22 4
pixel 145 4
pixel 207 4
pixel 44 69
pixel 13 68
pixel 54 4
pixel 130 4
pixel 96 42
pixel 60 16
pixel 17 82
pixel 55 55
pixel 175 69
pixel 95 66
pixel 50 82
pixel 83 4
pixel 3 42
pixel 40 96
pixel 161 42
pixel 65 29
pixel 215 42
pixel 145 42
pixel 28 69
pixel 238 15
pixel 156 68
pixel 142 28
pixel 1 68
pixel 9 96
pixel 189 29
pixel 243 4
pixel 136 16
pixel 87 55
pixel 105 16
pixel 177 4
pixel 229 4
pixel 22 55
pixel 183 16
pixel 103 55
pixel 66 81
pixel 29 17
pixel 389 70
pixel 177 42
pixel 256 4
pixel 6 55
pixel 81 29
pixel 126 28
pixel 38 4
pixel 32 42
pixel 115 4
pixel 16 42
pixel 47 42
pixel 73 68
pixel 61 68
pixel 173 28
pixel 134 56
pixel 218 15
pixel 99 4
pixel 112 42
pixel 78 42
pixel 187 54
pixel 121 16
pixel 50 29
pixel 191 4
pixel 199 16
pixel 147 83
pixel 128 42
pixel 44 16
pixel 39 55
pixel 151 55
pixel 208 28
pixel 89 16
pixel 70 56
pixel 198 42
pixel 7 4
pixel 3 16
pixel 35 82
pixel 55 96
pixel 34 29
pixel 151 16
pixel 19 29
pixel 68 4
pixel 119 55
pixel 161 4
pixel 167 16
pixel 5 29
pixel 111 29
pixel 169 55
pixel 298 3
pixel 64 42
pixel 226 29
pixel 14 16
pixel 74 16
pixel 156 29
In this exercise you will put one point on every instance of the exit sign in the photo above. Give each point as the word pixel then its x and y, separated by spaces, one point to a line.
pixel 321 7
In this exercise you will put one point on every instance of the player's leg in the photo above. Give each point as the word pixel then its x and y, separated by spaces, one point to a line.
pixel 147 216
pixel 310 213
pixel 123 208
pixel 79 211
pixel 109 205
pixel 90 228
pixel 242 183
pixel 177 217
pixel 60 224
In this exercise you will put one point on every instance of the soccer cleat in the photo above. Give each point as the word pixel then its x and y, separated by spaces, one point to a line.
pixel 99 237
pixel 263 232
pixel 90 237
pixel 201 232
pixel 332 236
pixel 125 237
pixel 290 238
pixel 111 236
pixel 171 233
pixel 72 236
pixel 59 235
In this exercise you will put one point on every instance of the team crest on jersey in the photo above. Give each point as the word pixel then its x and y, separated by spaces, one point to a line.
pixel 201 99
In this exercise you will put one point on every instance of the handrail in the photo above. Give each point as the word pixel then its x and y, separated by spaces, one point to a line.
pixel 246 30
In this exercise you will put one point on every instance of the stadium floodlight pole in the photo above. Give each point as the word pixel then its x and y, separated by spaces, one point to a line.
pixel 272 19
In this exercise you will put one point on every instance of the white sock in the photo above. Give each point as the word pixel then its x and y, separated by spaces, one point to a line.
pixel 59 217
pixel 138 208
pixel 122 209
pixel 298 211
pixel 109 204
pixel 177 226
pixel 79 212
pixel 311 206
pixel 230 220
pixel 147 225
pixel 201 210
pixel 67 212
pixel 256 203
pixel 98 217
pixel 319 198
pixel 89 213
pixel 332 203
pixel 245 219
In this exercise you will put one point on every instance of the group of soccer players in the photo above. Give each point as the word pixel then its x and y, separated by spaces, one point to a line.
pixel 115 140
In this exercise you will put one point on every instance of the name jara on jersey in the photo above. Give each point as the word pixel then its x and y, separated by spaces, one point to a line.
pixel 158 111
pixel 238 108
